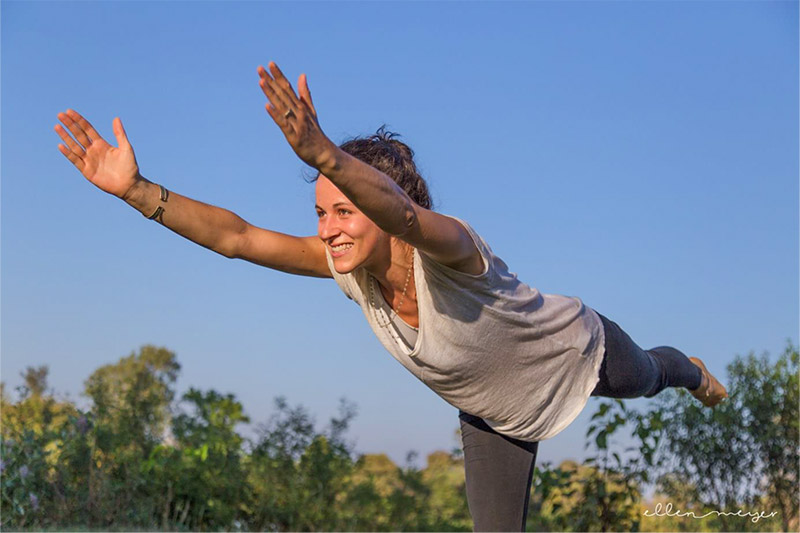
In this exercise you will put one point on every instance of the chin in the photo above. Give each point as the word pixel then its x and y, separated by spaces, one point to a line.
pixel 343 270
pixel 345 267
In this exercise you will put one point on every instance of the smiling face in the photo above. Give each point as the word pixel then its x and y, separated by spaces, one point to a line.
pixel 352 238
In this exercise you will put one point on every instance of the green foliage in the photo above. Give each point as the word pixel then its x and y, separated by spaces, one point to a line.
pixel 198 477
pixel 40 435
pixel 137 461
pixel 444 476
pixel 769 402
pixel 742 456
pixel 131 399
pixel 603 494
pixel 743 453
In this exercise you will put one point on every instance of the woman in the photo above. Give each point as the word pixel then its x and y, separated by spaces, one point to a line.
pixel 519 365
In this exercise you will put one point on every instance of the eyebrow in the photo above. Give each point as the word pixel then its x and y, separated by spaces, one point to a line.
pixel 337 204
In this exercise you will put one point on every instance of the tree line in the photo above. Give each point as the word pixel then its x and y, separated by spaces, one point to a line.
pixel 140 459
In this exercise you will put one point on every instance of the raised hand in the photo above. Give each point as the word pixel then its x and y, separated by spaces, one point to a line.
pixel 296 116
pixel 114 170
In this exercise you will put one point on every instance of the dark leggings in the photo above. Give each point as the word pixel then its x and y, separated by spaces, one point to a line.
pixel 499 469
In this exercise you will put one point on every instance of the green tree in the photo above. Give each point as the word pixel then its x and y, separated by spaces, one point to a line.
pixel 299 477
pixel 131 398
pixel 741 454
pixel 374 478
pixel 708 453
pixel 769 406
pixel 115 467
pixel 37 410
pixel 408 501
pixel 545 513
pixel 585 501
pixel 38 438
pixel 131 402
pixel 200 480
pixel 447 505
pixel 603 493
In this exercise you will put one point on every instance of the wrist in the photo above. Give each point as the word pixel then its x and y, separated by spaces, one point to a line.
pixel 143 195
pixel 330 160
pixel 134 193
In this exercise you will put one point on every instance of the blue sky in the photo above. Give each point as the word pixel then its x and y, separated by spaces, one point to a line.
pixel 641 156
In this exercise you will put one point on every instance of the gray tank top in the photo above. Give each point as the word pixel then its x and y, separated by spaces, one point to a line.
pixel 524 361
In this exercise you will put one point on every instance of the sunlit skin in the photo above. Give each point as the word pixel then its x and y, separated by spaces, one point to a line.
pixel 386 258
pixel 385 229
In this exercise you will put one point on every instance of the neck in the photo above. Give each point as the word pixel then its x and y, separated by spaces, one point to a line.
pixel 392 269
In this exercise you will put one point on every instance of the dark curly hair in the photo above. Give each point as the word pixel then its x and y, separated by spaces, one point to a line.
pixel 393 158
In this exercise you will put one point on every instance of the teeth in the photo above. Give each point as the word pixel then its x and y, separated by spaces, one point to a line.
pixel 341 247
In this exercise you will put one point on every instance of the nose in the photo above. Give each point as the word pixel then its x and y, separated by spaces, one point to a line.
pixel 327 228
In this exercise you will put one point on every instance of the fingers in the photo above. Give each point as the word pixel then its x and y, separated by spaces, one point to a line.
pixel 281 119
pixel 268 87
pixel 72 156
pixel 74 147
pixel 75 128
pixel 119 133
pixel 84 124
pixel 272 90
pixel 283 83
pixel 72 151
pixel 305 94
pixel 285 105
pixel 277 106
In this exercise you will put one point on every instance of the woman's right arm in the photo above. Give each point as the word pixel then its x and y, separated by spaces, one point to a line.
pixel 115 171
pixel 226 233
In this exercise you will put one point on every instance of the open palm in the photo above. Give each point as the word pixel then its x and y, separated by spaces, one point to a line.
pixel 112 169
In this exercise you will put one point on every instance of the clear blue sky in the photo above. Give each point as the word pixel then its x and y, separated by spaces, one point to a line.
pixel 641 156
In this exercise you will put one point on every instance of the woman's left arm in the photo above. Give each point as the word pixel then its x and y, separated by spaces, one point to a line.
pixel 374 193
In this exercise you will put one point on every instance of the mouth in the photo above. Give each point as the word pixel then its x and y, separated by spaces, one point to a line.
pixel 340 249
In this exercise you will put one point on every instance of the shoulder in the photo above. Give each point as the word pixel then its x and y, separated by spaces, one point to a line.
pixel 445 239
pixel 477 262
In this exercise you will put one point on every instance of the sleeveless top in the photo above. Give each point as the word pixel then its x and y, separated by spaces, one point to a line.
pixel 490 345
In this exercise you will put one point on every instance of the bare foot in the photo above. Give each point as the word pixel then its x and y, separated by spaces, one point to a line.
pixel 710 392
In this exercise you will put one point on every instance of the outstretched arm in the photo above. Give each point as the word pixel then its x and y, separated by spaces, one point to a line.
pixel 115 171
pixel 372 191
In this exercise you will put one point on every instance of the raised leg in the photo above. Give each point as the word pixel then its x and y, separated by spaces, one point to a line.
pixel 628 371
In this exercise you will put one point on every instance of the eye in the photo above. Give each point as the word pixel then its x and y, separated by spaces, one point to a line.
pixel 345 211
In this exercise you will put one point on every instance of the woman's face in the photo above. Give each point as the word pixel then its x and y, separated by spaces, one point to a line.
pixel 352 238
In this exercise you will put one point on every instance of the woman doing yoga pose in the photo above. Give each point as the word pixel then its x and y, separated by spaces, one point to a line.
pixel 519 365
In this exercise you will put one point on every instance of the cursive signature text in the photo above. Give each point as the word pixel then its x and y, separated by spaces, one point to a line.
pixel 667 511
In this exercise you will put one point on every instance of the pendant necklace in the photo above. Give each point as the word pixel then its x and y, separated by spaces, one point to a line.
pixel 402 296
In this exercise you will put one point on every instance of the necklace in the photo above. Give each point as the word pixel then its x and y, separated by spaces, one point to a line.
pixel 402 296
